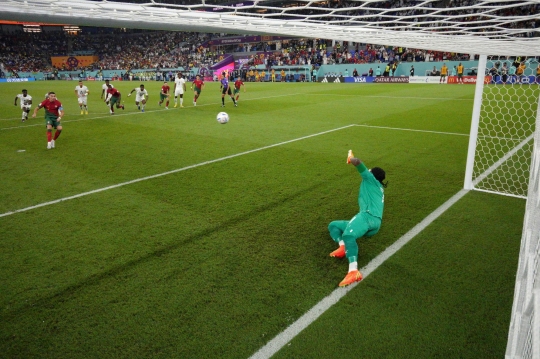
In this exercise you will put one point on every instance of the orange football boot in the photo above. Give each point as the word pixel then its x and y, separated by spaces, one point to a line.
pixel 350 278
pixel 338 253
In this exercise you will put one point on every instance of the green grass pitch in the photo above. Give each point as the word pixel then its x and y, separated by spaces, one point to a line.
pixel 165 234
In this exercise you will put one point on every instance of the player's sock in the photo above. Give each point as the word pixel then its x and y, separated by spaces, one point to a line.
pixel 57 134
pixel 353 266
pixel 351 247
pixel 223 100
pixel 237 97
pixel 49 135
pixel 23 116
pixel 233 100
pixel 167 103
pixel 181 101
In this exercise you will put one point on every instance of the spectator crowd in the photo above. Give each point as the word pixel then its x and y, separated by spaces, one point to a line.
pixel 124 49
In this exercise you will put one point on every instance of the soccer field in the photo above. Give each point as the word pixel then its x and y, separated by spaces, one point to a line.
pixel 165 234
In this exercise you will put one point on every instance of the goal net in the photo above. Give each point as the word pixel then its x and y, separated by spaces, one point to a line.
pixel 524 334
pixel 505 116
pixel 504 149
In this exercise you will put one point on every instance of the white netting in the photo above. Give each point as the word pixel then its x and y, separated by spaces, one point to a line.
pixel 524 334
pixel 463 26
pixel 506 126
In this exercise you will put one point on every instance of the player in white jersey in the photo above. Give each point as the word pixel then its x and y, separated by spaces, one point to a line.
pixel 82 94
pixel 104 89
pixel 141 97
pixel 26 104
pixel 179 89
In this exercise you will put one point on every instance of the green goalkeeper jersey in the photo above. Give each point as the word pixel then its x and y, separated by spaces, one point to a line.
pixel 371 197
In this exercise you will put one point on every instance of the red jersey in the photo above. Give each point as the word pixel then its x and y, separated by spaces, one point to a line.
pixel 51 107
pixel 198 83
pixel 238 83
pixel 114 92
pixel 165 89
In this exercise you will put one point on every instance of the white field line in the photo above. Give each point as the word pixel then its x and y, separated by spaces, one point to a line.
pixel 450 133
pixel 168 172
pixel 393 97
pixel 123 113
pixel 305 320
pixel 413 130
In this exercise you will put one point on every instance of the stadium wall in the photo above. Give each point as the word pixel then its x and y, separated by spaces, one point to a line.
pixel 420 68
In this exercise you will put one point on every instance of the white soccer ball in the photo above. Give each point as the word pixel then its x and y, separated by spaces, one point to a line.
pixel 222 118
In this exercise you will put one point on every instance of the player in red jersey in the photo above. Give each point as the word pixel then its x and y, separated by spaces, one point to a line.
pixel 197 86
pixel 53 115
pixel 113 98
pixel 237 84
pixel 164 94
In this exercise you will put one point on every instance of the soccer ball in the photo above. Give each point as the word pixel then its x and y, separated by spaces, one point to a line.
pixel 222 118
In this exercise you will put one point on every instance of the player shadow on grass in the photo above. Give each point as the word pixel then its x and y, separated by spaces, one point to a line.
pixel 70 291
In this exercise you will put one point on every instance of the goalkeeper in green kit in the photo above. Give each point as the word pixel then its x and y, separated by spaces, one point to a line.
pixel 366 222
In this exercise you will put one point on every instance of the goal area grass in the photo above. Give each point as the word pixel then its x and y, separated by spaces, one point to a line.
pixel 165 234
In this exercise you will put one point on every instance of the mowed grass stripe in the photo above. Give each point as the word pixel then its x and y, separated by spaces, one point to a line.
pixel 167 173
pixel 117 112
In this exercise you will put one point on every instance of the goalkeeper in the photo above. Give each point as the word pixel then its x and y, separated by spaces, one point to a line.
pixel 366 222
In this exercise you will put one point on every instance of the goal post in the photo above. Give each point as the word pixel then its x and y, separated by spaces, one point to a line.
pixel 473 136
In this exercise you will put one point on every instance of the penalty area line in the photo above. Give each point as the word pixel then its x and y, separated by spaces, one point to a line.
pixel 413 130
pixel 273 346
pixel 169 172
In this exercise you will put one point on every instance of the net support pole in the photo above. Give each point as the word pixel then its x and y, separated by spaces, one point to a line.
pixel 468 185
